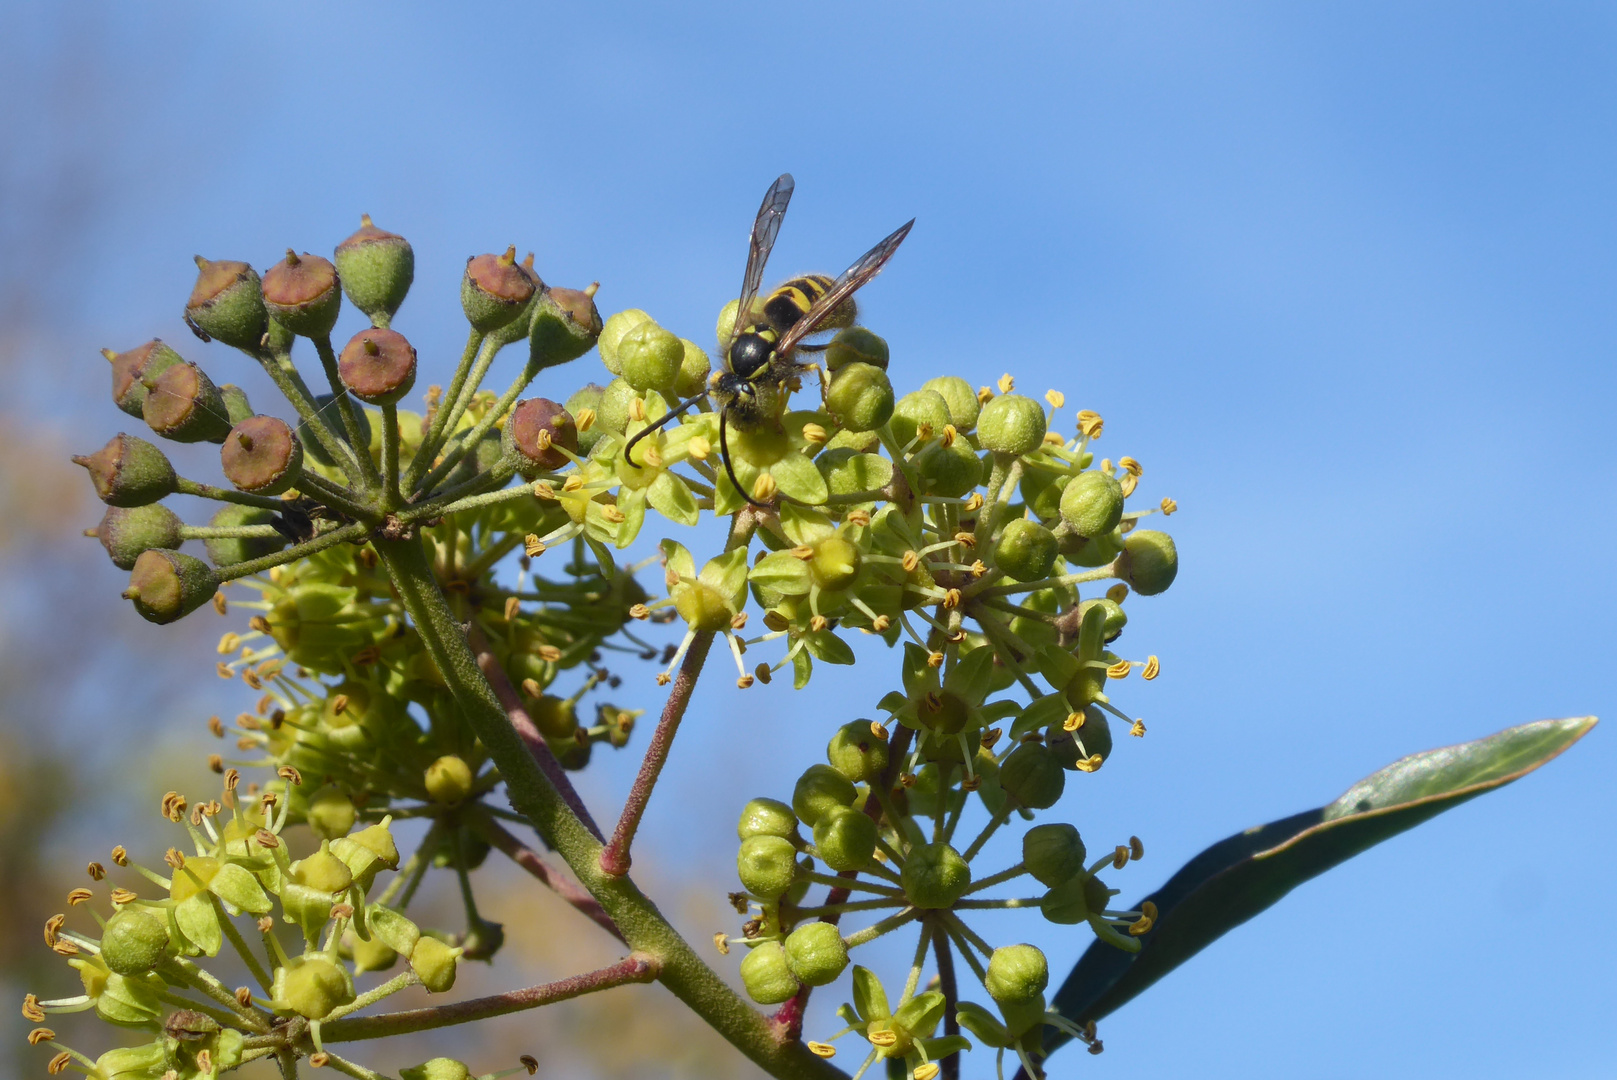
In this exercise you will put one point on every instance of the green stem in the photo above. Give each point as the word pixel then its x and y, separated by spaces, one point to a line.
pixel 350 1068
pixel 248 957
pixel 643 926
pixel 349 414
pixel 452 408
pixel 303 550
pixel 993 825
pixel 994 879
pixel 230 495
pixel 391 498
pixel 369 997
pixel 886 926
pixel 431 438
pixel 238 532
pixel 331 494
pixel 296 391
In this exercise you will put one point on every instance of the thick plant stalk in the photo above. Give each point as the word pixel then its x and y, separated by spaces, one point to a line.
pixel 532 795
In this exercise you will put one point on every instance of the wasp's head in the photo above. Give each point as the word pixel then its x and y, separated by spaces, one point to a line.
pixel 751 352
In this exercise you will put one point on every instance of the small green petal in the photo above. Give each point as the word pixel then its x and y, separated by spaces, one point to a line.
pixel 826 646
pixel 798 479
pixel 670 497
pixel 679 560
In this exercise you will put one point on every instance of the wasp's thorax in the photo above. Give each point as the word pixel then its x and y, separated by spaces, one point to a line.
pixel 751 352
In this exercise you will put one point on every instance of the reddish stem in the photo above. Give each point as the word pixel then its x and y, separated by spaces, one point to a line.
pixel 511 702
pixel 556 880
pixel 615 858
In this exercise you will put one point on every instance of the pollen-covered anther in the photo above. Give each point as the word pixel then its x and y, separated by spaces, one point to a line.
pixel 744 682
pixel 1136 848
pixel 1056 398
pixel 229 643
pixel 984 395
pixel 1073 722
pixel 802 551
pixel 880 624
pixel 549 653
pixel 613 514
pixel 815 434
pixel 290 775
pixel 574 482
pixel 776 621
pixel 232 779
pixel 173 806
pixel 763 673
pixel 58 1064
pixel 971 783
pixel 1168 506
pixel 991 736
pixel 121 897
pixel 906 779
pixel 250 677
pixel 1119 670
pixel 926 1071
pixel 1090 424
pixel 1052 438
pixel 949 435
pixel 529 1062
pixel 1128 484
pixel 120 857
pixel 978 568
pixel 818 623
pixel 637 410
pixel 222 669
pixel 923 432
pixel 1006 383
pixel 52 925
pixel 542 489
pixel 175 858
pixel 221 604
pixel 639 611
pixel 1147 919
pixel 974 503
pixel 885 1038
pixel 339 704
pixel 1153 668
pixel 1120 857
pixel 663 678
pixel 1091 763
pixel 860 518
pixel 820 1049
pixel 318 1060
pixel 216 727
pixel 342 911
pixel 764 488
pixel 39 1035
pixel 965 539
pixel 267 839
pixel 878 730
pixel 31 1011
pixel 1137 729
pixel 96 871
pixel 513 607
pixel 652 458
pixel 934 660
pixel 910 561
pixel 585 419
pixel 265 925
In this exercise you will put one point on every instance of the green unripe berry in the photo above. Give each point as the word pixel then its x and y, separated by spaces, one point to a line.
pixel 703 607
pixel 949 471
pixel 917 409
pixel 650 357
pixel 1053 853
pixel 183 405
pixel 1041 491
pixel 331 813
pixel 261 455
pixel 129 472
pixel 834 564
pixel 819 789
pixel 376 268
pixel 555 717
pixel 860 398
pixel 372 955
pixel 1016 973
pixel 1116 617
pixel 131 370
pixel 1011 424
pixel 612 332
pixel 226 550
pixel 1149 562
pixel 767 817
pixel 1075 899
pixel 227 304
pixel 1093 739
pixel 1032 776
pixel 816 953
pixel 765 974
pixel 377 366
pixel 857 752
pixel 612 411
pixel 935 876
pixel 441 1068
pixel 693 369
pixel 766 865
pixel 960 397
pixel 125 532
pixel 312 986
pixel 1026 550
pixel 845 838
pixel 564 325
pixel 449 780
pixel 134 942
pixel 495 290
pixel 166 585
pixel 1092 551
pixel 1092 503
pixel 434 964
pixel 302 294
pixel 856 345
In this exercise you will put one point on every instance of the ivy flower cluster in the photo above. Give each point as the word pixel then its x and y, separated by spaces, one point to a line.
pixel 418 582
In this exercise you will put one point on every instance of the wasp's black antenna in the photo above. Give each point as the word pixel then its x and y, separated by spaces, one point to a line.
pixel 724 452
pixel 668 417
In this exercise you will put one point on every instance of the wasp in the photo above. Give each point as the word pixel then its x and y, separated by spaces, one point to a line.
pixel 765 338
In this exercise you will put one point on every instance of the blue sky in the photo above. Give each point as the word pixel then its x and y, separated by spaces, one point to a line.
pixel 1339 275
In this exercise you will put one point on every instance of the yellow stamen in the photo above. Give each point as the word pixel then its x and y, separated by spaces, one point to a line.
pixel 934 660
pixel 1117 593
pixel 927 1071
pixel 883 1039
pixel 1006 383
pixel 1056 398
pixel 1119 670
pixel 764 488
pixel 1090 764
pixel 1137 729
pixel 1073 722
pixel 1090 424
pixel 820 1049
pixel 1152 668
pixel 1136 848
pixel 984 395
pixel 814 433
pixel 1168 506
pixel 721 942
pixel 699 447
pixel 96 871
pixel 584 420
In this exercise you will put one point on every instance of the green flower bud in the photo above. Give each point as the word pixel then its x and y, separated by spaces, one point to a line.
pixel 449 780
pixel 227 304
pixel 312 986
pixel 612 332
pixel 1032 776
pixel 1016 973
pixel 916 409
pixel 950 471
pixel 1053 853
pixel 693 370
pixel 816 953
pixel 848 471
pixel 1025 550
pixel 856 345
pixel 1116 617
pixel 935 876
pixel 311 445
pixel 372 955
pixel 860 398
pixel 262 455
pixel 392 929
pixel 129 472
pixel 237 407
pixel 857 752
pixel 612 412
pixel 145 1062
pixel 132 369
pixel 1092 503
pixel 1093 739
pixel 766 975
pixel 495 290
pixel 377 366
pixel 564 326
pixel 434 964
pixel 1075 899
pixel 331 813
pixel 166 585
pixel 845 838
pixel 767 817
pixel 227 551
pixel 301 293
pixel 367 852
pixel 1011 424
pixel 1041 491
pixel 1149 562
pixel 376 268
pixel 183 405
pixel 650 357
pixel 125 532
pixel 766 865
pixel 441 1068
pixel 960 397
pixel 134 941
pixel 1094 550
pixel 819 789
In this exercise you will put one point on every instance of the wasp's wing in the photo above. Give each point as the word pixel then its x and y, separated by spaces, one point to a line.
pixel 764 230
pixel 852 278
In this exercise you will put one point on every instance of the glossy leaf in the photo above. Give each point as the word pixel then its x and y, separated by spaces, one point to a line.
pixel 1240 876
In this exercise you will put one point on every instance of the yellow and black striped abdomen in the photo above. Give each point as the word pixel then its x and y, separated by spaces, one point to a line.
pixel 793 299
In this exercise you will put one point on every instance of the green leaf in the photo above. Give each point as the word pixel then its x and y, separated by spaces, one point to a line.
pixel 802 668
pixel 826 646
pixel 1240 876
pixel 869 999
